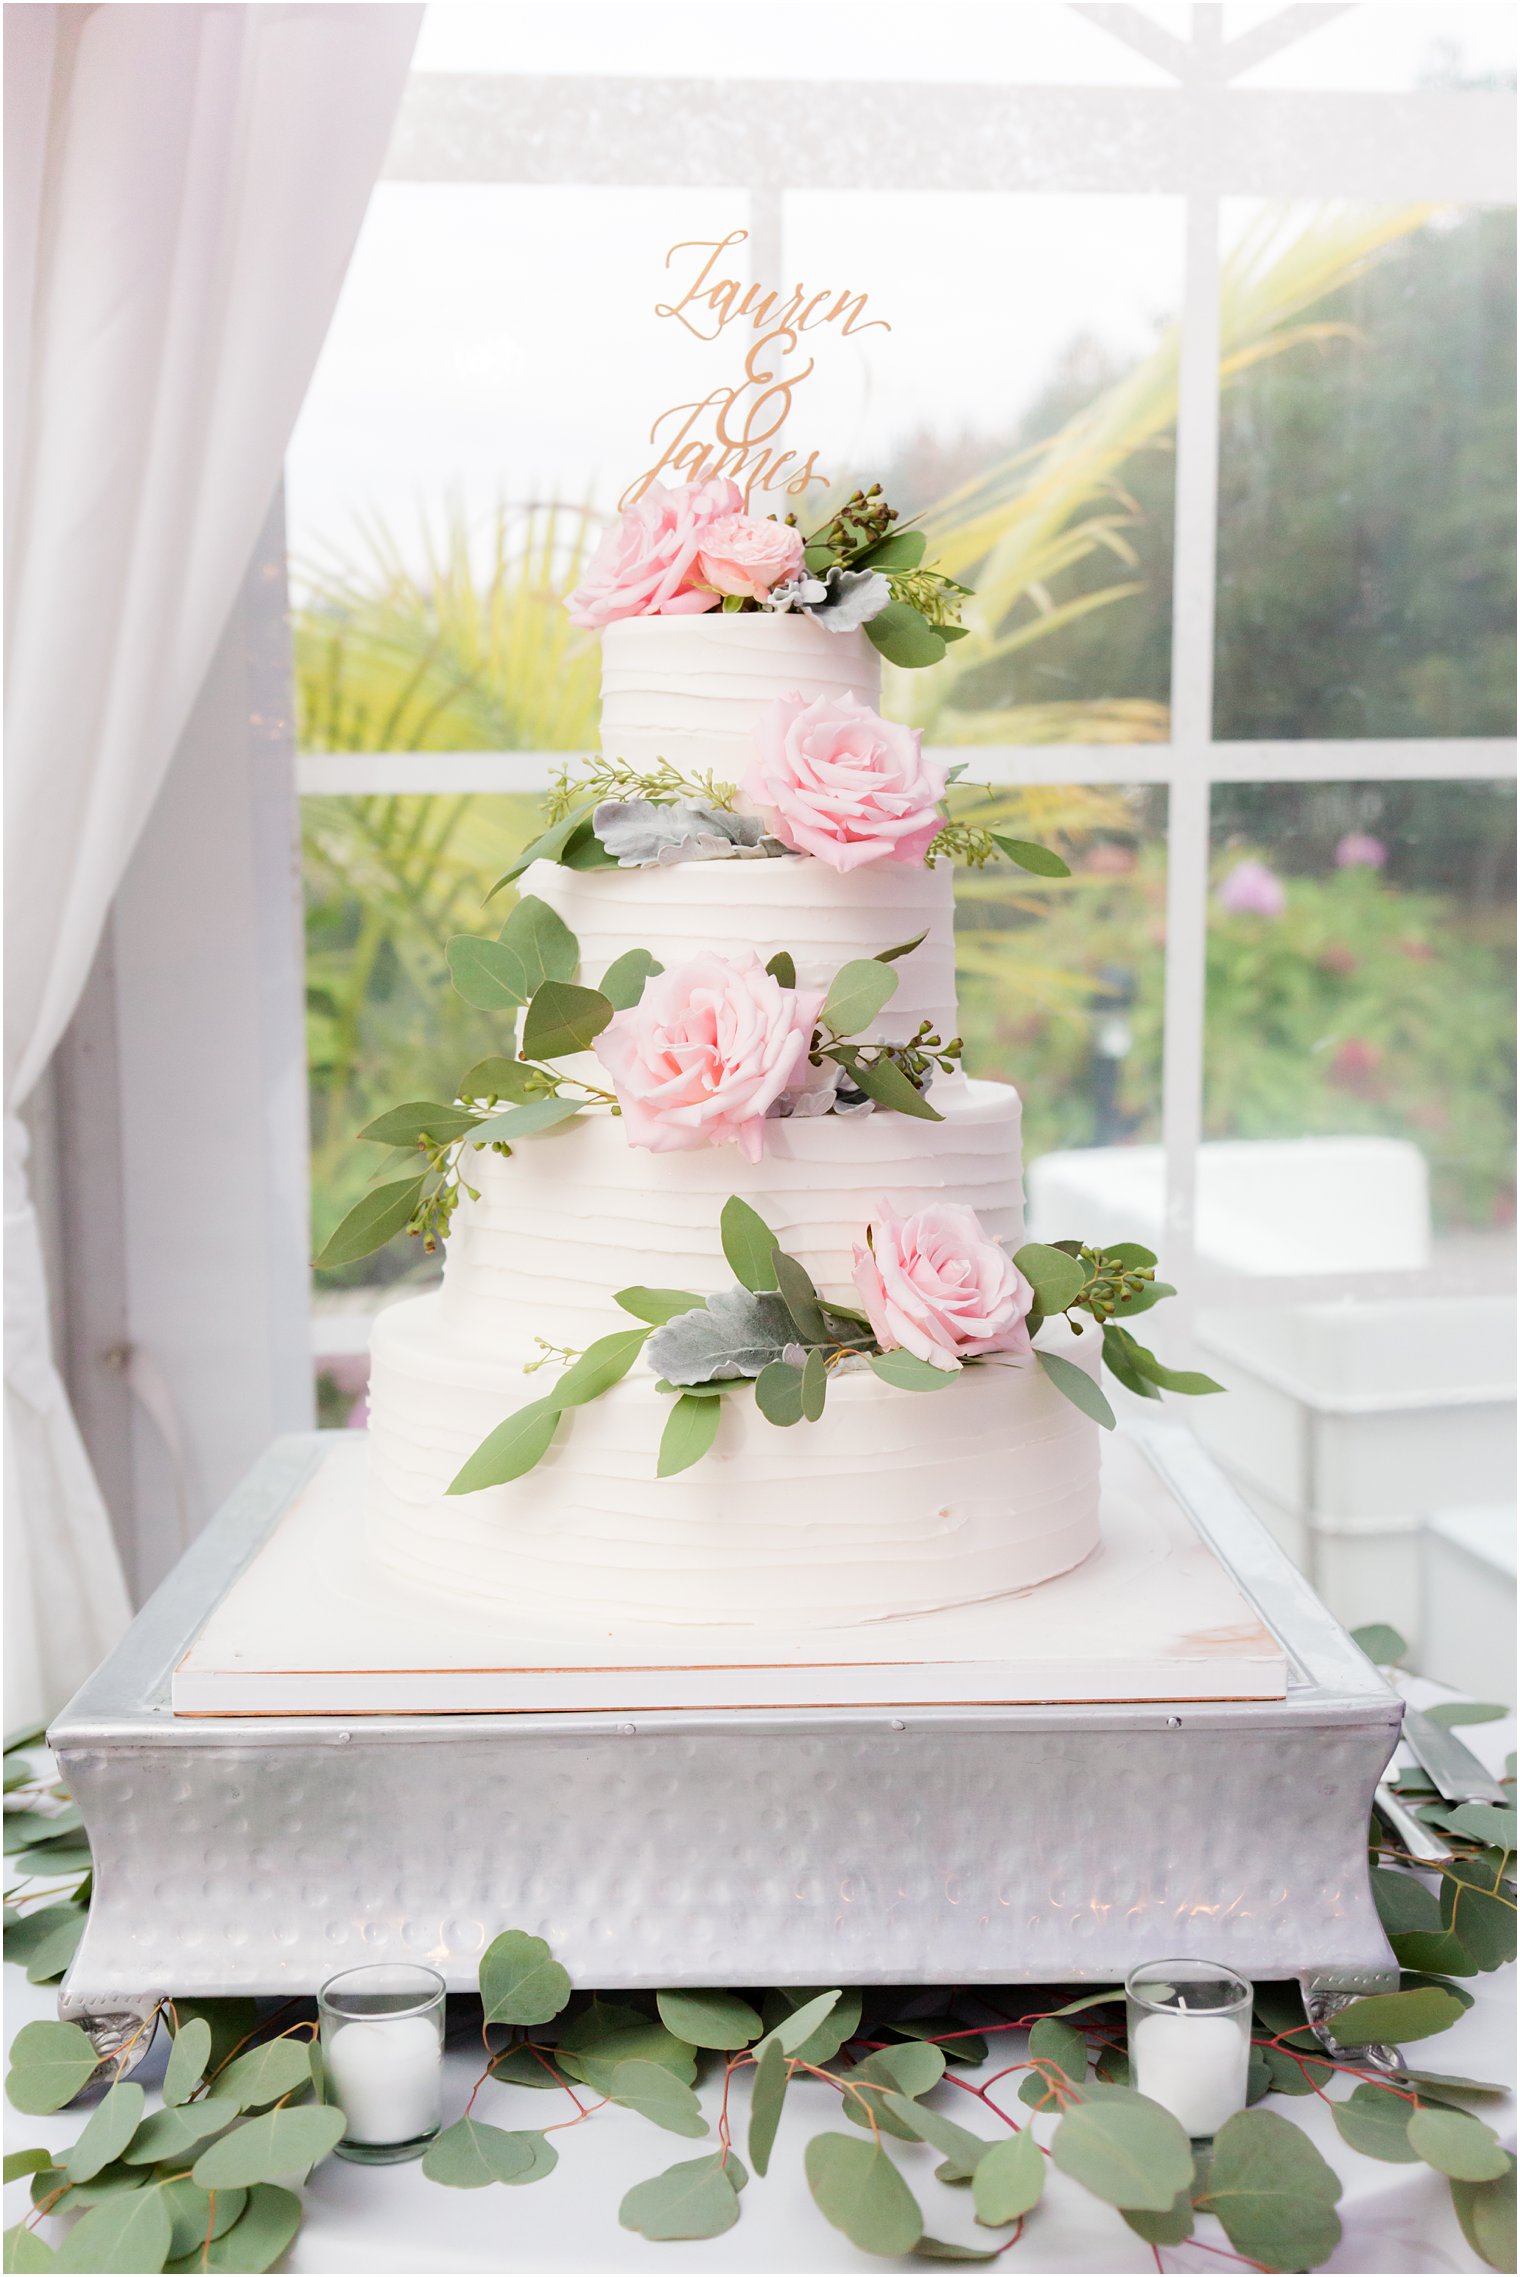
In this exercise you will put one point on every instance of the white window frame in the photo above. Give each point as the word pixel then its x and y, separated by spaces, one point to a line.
pixel 1200 140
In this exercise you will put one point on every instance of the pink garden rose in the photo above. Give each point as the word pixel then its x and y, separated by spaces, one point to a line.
pixel 1252 890
pixel 646 565
pixel 838 781
pixel 938 1286
pixel 747 557
pixel 706 1053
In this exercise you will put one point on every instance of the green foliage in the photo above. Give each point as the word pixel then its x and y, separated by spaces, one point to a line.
pixel 520 1980
pixel 689 1432
pixel 470 2155
pixel 698 2198
pixel 1273 2192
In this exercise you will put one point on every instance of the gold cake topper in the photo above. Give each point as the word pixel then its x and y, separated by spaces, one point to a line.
pixel 735 429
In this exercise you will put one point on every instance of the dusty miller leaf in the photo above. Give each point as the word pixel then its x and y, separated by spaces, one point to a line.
pixel 736 1333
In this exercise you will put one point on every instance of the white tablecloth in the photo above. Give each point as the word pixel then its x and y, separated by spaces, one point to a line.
pixel 390 2222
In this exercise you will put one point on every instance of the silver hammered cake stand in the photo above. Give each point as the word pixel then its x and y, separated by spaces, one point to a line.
pixel 997 1842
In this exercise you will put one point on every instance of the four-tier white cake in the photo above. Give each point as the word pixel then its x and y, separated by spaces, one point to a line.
pixel 894 1502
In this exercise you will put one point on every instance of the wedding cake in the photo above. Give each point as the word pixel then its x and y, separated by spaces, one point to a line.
pixel 730 937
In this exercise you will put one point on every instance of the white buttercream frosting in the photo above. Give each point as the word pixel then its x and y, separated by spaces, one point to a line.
pixel 894 1503
pixel 823 917
pixel 690 689
pixel 577 1214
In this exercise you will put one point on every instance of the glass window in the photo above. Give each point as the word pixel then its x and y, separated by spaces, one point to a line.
pixel 1373 49
pixel 1360 1025
pixel 1366 477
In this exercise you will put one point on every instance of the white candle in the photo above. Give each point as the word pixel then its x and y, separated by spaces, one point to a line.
pixel 1192 2063
pixel 386 2076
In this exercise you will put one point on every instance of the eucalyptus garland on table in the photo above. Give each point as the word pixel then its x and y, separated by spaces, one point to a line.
pixel 200 2182
pixel 530 968
pixel 775 1334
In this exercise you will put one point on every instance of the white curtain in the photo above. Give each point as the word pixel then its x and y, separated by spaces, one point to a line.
pixel 184 184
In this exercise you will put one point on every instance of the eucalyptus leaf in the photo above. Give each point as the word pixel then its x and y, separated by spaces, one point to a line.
pixel 189 2054
pixel 1403 1902
pixel 1478 1906
pixel 897 551
pixel 856 2187
pixel 801 1299
pixel 787 2007
pixel 512 1448
pixel 45 1942
pixel 1055 1278
pixel 195 2215
pixel 539 946
pixel 815 1387
pixel 563 1018
pixel 944 2249
pixel 599 1367
pixel 22 1736
pixel 1187 1381
pixel 708 2019
pixel 749 1245
pixel 129 2231
pixel 50 2063
pixel 1273 2192
pixel 1124 2149
pixel 420 1119
pixel 1052 2043
pixel 963 2150
pixel 1457 2144
pixel 1173 2227
pixel 783 968
pixel 1393 2017
pixel 884 1081
pixel 910 2070
pixel 1119 1364
pixel 500 1079
pixel 690 1429
pixel 20 2163
pixel 657 1305
pixel 544 2158
pixel 257 2239
pixel 529 1120
pixel 1009 2179
pixel 1076 1384
pixel 655 2093
pixel 905 637
pixel 520 1980
pixel 549 846
pixel 768 2094
pixel 1040 861
pixel 24 2249
pixel 902 949
pixel 1486 2211
pixel 265 2073
pixel 1495 1825
pixel 905 1371
pixel 1381 1642
pixel 112 2124
pixel 778 1393
pixel 734 1334
pixel 645 2040
pixel 484 973
pixel 1450 1713
pixel 269 2147
pixel 857 993
pixel 470 2155
pixel 177 2130
pixel 623 982
pixel 233 2022
pixel 373 1221
pixel 698 2198
pixel 1376 2122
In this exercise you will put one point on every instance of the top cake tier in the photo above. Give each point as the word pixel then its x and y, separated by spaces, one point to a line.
pixel 690 690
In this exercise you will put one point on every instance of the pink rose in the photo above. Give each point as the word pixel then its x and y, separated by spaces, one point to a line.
pixel 748 557
pixel 646 565
pixel 706 1053
pixel 938 1286
pixel 840 782
pixel 1252 890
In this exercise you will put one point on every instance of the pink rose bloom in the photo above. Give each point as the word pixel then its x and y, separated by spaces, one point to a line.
pixel 706 1053
pixel 1359 850
pixel 748 557
pixel 936 1285
pixel 646 565
pixel 840 782
pixel 1252 890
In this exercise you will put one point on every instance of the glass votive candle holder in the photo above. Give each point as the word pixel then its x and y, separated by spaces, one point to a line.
pixel 1190 2041
pixel 382 2058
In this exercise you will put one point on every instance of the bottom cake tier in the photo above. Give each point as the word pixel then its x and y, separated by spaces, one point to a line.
pixel 895 1502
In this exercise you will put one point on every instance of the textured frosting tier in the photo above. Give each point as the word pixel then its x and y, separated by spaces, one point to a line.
pixel 896 1502
pixel 823 917
pixel 578 1213
pixel 689 689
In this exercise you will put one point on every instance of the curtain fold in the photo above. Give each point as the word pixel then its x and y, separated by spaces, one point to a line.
pixel 184 185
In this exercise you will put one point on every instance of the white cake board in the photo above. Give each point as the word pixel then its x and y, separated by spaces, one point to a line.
pixel 311 1627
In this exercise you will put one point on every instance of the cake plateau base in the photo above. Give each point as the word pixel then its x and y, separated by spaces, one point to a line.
pixel 959 1844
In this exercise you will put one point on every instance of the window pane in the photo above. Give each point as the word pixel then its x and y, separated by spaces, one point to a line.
pixel 1039 43
pixel 1031 428
pixel 1361 1008
pixel 1060 980
pixel 1366 501
pixel 1370 49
